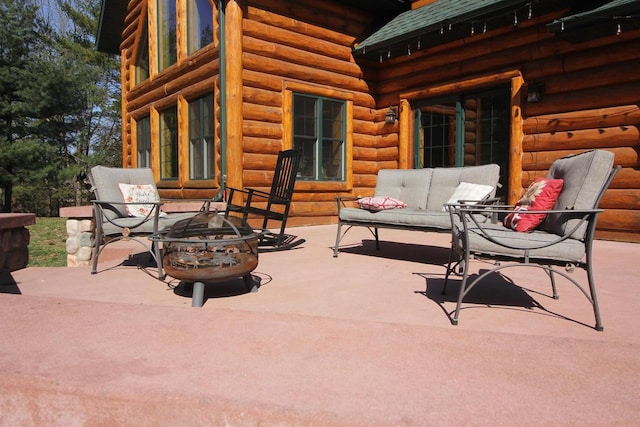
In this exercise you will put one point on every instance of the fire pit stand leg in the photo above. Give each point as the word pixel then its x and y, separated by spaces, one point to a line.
pixel 197 297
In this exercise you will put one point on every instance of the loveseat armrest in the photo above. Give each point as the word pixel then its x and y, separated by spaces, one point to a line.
pixel 341 201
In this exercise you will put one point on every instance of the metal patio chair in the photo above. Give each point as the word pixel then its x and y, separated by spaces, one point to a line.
pixel 562 242
pixel 272 205
pixel 132 219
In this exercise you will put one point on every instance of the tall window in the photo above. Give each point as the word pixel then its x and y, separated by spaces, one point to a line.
pixel 169 143
pixel 167 42
pixel 142 57
pixel 319 132
pixel 471 129
pixel 201 160
pixel 199 24
pixel 143 142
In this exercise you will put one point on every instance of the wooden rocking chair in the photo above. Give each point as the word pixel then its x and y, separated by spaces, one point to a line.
pixel 272 205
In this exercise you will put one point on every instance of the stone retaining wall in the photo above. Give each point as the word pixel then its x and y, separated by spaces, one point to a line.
pixel 14 240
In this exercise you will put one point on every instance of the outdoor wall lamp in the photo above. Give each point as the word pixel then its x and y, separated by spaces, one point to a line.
pixel 391 116
pixel 534 92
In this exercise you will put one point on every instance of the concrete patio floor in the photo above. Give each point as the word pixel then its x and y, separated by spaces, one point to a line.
pixel 359 340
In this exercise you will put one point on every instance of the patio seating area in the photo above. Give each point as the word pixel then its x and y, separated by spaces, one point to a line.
pixel 364 339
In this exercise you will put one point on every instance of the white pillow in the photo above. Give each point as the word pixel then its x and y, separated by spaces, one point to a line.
pixel 139 193
pixel 473 193
pixel 380 203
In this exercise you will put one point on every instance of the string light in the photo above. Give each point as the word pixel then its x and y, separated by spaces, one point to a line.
pixel 448 26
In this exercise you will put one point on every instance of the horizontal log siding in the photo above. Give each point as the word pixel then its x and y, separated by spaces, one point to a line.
pixel 313 48
pixel 590 100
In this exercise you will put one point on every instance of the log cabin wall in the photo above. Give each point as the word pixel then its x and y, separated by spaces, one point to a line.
pixel 306 47
pixel 590 99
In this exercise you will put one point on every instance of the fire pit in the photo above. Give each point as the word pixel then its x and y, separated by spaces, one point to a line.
pixel 207 248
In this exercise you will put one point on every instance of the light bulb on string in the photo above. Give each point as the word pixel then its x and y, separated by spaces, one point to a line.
pixel 473 30
pixel 619 31
pixel 515 18
pixel 530 15
pixel 484 29
pixel 409 49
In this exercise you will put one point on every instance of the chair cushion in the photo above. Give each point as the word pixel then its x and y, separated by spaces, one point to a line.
pixel 584 177
pixel 380 203
pixel 398 217
pixel 569 250
pixel 540 196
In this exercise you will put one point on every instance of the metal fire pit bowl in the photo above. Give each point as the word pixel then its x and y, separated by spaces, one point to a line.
pixel 207 248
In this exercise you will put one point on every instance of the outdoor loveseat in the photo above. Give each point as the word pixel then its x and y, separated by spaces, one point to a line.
pixel 415 199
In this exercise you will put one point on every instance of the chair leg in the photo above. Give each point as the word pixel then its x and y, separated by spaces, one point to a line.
pixel 375 233
pixel 335 248
pixel 592 291
pixel 96 250
pixel 553 282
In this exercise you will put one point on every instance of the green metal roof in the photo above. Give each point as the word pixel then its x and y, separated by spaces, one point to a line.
pixel 435 17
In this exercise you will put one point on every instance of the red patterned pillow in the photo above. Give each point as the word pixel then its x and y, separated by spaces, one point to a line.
pixel 380 203
pixel 540 196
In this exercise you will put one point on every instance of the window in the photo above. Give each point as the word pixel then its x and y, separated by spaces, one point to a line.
pixel 319 133
pixel 167 42
pixel 201 160
pixel 169 143
pixel 142 59
pixel 464 130
pixel 200 24
pixel 143 142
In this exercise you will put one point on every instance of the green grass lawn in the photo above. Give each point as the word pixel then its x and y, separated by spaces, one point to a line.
pixel 47 244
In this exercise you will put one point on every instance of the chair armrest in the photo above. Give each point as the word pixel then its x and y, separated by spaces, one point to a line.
pixel 102 205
